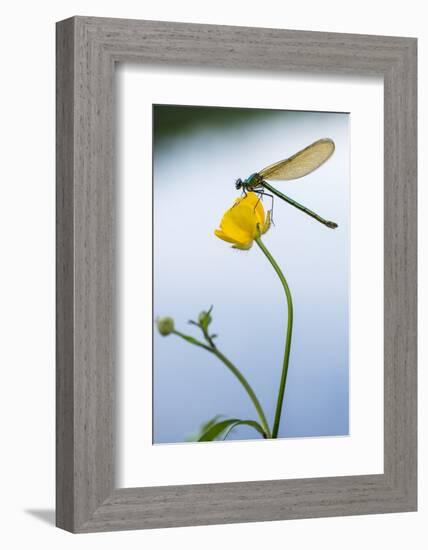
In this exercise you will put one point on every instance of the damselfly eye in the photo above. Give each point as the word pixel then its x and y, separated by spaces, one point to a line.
pixel 238 183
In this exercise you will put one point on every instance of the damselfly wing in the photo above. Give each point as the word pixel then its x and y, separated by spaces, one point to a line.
pixel 302 163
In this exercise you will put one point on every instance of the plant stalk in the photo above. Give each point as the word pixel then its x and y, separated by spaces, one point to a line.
pixel 289 332
pixel 234 370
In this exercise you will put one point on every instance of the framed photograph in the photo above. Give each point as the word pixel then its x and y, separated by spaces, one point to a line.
pixel 236 274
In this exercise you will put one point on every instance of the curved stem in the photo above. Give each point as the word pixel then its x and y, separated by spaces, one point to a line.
pixel 247 387
pixel 234 370
pixel 287 338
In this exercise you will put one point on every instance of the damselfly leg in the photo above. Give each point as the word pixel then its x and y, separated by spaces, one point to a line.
pixel 262 194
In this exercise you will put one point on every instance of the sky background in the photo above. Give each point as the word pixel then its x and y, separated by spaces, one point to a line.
pixel 198 154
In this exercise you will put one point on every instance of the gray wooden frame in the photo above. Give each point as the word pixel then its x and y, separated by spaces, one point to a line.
pixel 87 50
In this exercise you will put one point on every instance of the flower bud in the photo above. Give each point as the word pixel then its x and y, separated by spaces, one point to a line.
pixel 205 318
pixel 165 325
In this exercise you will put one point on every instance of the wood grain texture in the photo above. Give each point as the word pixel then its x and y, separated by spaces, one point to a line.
pixel 64 277
pixel 87 50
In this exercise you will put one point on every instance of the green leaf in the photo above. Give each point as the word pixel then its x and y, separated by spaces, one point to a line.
pixel 204 427
pixel 210 423
pixel 219 427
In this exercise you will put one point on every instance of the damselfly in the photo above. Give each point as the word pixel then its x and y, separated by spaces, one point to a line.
pixel 300 164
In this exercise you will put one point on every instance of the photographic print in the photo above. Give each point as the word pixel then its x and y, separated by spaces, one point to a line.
pixel 250 274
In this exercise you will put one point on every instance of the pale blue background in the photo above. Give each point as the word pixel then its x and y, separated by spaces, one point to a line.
pixel 195 166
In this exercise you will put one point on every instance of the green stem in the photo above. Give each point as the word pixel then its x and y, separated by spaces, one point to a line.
pixel 234 370
pixel 247 387
pixel 287 338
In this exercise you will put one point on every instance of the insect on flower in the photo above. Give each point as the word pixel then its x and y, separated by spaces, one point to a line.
pixel 298 165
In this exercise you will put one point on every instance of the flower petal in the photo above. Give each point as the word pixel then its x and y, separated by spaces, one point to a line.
pixel 260 212
pixel 254 200
pixel 241 218
pixel 249 198
pixel 221 235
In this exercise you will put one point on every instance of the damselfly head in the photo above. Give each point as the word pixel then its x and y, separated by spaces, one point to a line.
pixel 238 183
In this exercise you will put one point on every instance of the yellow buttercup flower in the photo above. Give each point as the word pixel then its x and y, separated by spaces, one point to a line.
pixel 244 222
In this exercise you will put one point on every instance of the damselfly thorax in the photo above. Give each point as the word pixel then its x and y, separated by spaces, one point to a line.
pixel 252 183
